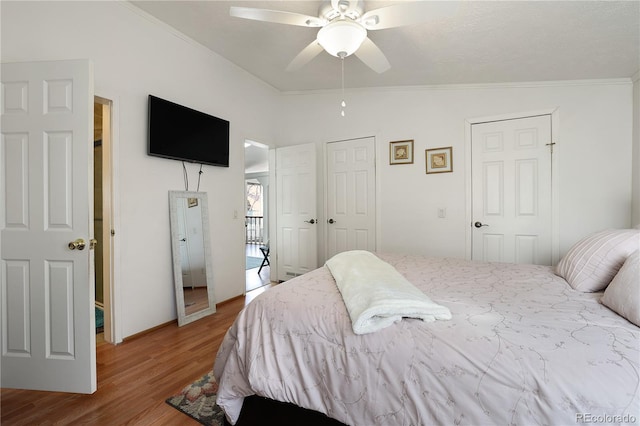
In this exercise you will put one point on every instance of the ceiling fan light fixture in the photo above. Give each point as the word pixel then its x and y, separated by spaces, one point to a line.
pixel 341 38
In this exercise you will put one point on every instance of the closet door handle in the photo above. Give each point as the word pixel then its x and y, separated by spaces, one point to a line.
pixel 479 224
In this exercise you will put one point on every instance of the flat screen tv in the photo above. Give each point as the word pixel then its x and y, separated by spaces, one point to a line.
pixel 182 133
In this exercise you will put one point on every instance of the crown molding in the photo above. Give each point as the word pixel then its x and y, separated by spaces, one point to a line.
pixel 480 86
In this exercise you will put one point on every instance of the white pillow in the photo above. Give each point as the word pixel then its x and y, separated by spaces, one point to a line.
pixel 623 294
pixel 592 262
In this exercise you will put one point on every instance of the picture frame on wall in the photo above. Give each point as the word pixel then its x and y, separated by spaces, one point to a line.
pixel 401 152
pixel 439 160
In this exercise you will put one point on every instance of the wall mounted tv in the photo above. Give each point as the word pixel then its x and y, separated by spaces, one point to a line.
pixel 182 133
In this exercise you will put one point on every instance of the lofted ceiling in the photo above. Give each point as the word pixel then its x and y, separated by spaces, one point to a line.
pixel 256 157
pixel 480 42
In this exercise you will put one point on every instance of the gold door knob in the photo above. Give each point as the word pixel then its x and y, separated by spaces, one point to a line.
pixel 77 244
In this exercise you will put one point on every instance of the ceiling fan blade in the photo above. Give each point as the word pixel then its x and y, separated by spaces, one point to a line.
pixel 276 16
pixel 407 14
pixel 372 56
pixel 306 55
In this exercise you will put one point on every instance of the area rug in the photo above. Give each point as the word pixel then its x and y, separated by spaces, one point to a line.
pixel 198 401
pixel 253 262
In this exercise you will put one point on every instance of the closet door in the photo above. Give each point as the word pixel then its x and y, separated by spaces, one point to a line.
pixel 351 196
pixel 511 195
pixel 297 239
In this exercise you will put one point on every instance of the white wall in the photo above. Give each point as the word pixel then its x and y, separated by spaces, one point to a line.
pixel 134 56
pixel 635 216
pixel 593 150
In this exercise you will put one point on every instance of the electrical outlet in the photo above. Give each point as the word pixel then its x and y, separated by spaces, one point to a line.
pixel 442 212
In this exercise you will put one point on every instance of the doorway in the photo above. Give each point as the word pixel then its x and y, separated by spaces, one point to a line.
pixel 103 218
pixel 256 236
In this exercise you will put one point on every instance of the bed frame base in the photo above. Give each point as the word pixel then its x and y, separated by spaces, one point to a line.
pixel 261 411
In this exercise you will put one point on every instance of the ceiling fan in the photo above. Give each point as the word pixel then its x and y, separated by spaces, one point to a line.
pixel 343 28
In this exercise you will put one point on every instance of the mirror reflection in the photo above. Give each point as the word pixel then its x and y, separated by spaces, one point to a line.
pixel 194 274
pixel 191 258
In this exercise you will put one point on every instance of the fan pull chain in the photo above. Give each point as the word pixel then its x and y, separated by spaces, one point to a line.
pixel 343 104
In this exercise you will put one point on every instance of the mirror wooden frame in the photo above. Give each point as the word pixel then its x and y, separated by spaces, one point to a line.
pixel 192 198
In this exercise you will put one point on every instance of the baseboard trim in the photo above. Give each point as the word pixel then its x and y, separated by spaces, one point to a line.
pixel 175 321
pixel 149 330
pixel 224 302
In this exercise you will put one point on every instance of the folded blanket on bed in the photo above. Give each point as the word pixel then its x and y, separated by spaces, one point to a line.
pixel 377 295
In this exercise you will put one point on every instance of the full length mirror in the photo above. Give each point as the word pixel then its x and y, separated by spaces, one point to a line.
pixel 191 248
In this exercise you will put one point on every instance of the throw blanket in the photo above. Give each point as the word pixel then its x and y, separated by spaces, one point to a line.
pixel 377 295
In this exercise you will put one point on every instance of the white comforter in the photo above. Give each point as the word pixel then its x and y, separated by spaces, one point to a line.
pixel 522 347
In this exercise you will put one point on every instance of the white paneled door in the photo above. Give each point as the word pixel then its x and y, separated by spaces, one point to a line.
pixel 351 196
pixel 511 190
pixel 296 218
pixel 46 226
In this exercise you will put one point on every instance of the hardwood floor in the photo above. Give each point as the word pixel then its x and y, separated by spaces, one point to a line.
pixel 134 378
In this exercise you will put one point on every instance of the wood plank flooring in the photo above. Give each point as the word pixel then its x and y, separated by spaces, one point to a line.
pixel 134 378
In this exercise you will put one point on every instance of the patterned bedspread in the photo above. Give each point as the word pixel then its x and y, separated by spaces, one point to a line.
pixel 522 348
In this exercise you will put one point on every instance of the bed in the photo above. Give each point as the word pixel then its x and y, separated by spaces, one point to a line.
pixel 522 347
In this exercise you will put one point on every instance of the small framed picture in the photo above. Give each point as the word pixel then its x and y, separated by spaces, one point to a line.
pixel 401 152
pixel 439 160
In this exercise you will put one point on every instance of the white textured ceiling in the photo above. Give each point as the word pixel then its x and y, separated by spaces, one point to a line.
pixel 482 42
